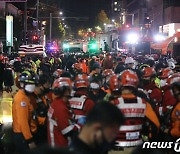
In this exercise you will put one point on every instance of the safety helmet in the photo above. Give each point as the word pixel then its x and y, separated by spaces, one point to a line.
pixel 148 72
pixel 81 81
pixel 77 66
pixel 114 83
pixel 58 73
pixel 18 59
pixel 174 79
pixel 1 57
pixel 61 84
pixel 128 78
pixel 171 65
pixel 28 77
pixel 129 60
pixel 165 73
pixel 107 72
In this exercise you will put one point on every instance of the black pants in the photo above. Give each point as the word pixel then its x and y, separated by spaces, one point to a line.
pixel 1 84
pixel 20 143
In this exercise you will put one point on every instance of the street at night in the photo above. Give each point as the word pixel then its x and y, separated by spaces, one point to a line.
pixel 89 76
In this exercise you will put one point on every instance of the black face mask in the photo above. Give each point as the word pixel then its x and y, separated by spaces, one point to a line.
pixel 145 82
pixel 105 146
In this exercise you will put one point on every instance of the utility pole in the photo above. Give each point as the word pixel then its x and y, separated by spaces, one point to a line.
pixel 37 18
pixel 50 30
pixel 25 22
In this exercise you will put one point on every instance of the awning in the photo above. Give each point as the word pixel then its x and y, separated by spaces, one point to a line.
pixel 164 44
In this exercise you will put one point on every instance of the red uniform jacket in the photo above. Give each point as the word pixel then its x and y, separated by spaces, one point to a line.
pixel 155 94
pixel 59 123
pixel 168 99
pixel 81 105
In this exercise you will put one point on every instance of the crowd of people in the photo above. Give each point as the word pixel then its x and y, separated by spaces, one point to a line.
pixel 92 104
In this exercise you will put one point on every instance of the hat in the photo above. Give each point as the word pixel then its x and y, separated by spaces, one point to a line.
pixel 96 65
pixel 129 60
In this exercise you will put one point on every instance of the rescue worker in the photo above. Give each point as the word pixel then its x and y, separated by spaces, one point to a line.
pixel 8 78
pixel 60 118
pixel 77 68
pixel 106 74
pixel 80 103
pixel 95 88
pixel 107 62
pixel 174 130
pixel 84 66
pixel 130 63
pixel 22 113
pixel 96 69
pixel 114 88
pixel 41 106
pixel 57 74
pixel 168 100
pixel 135 109
pixel 155 94
pixel 98 134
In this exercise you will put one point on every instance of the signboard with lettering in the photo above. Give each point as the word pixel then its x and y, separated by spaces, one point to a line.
pixel 9 31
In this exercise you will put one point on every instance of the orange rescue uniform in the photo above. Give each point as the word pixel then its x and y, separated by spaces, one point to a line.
pixel 175 117
pixel 22 115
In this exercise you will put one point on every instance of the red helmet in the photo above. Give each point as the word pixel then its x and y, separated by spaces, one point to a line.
pixel 174 79
pixel 77 66
pixel 149 72
pixel 129 78
pixel 107 72
pixel 1 57
pixel 114 83
pixel 61 84
pixel 81 81
pixel 6 59
pixel 18 59
pixel 57 73
pixel 165 73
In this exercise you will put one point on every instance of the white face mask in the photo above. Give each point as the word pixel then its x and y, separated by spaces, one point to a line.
pixel 29 88
pixel 163 83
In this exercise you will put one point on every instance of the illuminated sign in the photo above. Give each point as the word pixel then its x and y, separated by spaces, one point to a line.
pixel 9 31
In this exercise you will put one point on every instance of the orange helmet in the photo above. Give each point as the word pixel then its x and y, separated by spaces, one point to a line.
pixel 174 79
pixel 149 72
pixel 77 66
pixel 81 81
pixel 61 84
pixel 107 72
pixel 114 83
pixel 57 73
pixel 129 78
pixel 165 73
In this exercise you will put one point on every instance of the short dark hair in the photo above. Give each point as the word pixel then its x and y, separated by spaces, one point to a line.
pixel 43 78
pixel 105 113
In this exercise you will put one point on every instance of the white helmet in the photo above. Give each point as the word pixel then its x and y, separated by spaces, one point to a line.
pixel 171 65
pixel 129 60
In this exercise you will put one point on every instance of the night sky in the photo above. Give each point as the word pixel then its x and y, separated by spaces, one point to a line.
pixel 77 8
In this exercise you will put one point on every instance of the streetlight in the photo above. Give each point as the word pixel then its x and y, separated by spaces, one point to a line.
pixel 62 19
pixel 113 20
pixel 61 13
pixel 104 24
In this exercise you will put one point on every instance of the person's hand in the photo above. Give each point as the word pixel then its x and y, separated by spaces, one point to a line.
pixel 32 145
